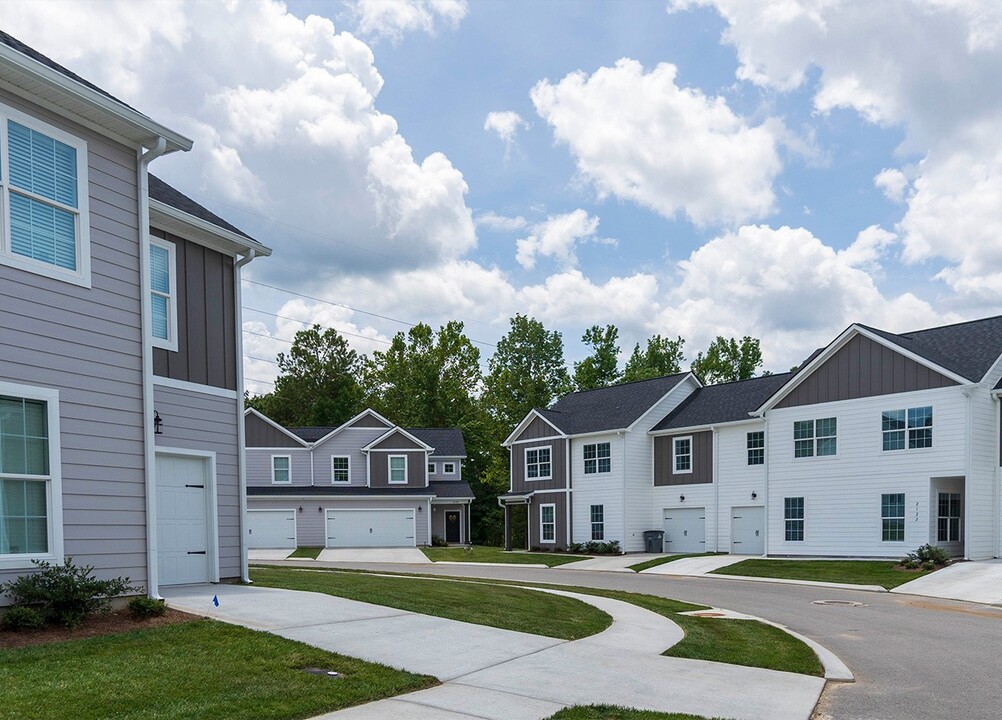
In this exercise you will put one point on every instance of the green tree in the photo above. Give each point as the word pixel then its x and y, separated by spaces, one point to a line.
pixel 663 356
pixel 726 360
pixel 600 369
pixel 318 381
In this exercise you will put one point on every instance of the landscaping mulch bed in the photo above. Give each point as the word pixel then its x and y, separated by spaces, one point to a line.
pixel 112 623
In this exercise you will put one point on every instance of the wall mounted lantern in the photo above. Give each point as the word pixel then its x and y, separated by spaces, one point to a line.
pixel 158 424
pixel 754 495
pixel 681 498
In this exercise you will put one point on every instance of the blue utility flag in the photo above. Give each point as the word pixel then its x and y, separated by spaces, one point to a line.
pixel 215 600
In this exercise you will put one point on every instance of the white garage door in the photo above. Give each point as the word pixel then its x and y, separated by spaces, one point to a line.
pixel 182 519
pixel 685 530
pixel 370 528
pixel 271 528
pixel 748 530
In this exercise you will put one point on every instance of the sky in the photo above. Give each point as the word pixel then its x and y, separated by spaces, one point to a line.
pixel 779 169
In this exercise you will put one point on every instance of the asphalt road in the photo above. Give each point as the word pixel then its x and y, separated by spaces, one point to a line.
pixel 913 658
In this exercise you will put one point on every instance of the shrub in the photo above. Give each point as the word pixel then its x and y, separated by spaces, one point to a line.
pixel 930 554
pixel 65 594
pixel 575 548
pixel 22 618
pixel 928 566
pixel 910 564
pixel 436 541
pixel 144 608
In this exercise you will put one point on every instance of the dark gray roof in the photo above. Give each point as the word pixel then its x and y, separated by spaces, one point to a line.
pixel 727 402
pixel 969 348
pixel 32 53
pixel 442 489
pixel 159 190
pixel 608 408
pixel 448 442
pixel 311 434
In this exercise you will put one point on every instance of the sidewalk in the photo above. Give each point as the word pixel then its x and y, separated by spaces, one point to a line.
pixel 610 563
pixel 696 565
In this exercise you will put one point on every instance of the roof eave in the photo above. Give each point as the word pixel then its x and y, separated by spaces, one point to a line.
pixel 169 218
pixel 704 426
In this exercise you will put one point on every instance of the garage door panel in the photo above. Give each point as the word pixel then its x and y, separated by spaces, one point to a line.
pixel 271 529
pixel 685 530
pixel 748 530
pixel 371 528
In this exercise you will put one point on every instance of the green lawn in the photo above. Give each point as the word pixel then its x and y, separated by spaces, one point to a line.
pixel 855 572
pixel 612 712
pixel 189 671
pixel 485 554
pixel 666 559
pixel 509 608
pixel 307 553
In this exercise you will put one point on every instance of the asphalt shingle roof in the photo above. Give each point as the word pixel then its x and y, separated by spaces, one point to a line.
pixel 310 434
pixel 159 190
pixel 443 489
pixel 608 408
pixel 727 402
pixel 969 349
pixel 448 442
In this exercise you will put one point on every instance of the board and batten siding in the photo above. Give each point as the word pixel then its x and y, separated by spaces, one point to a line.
pixel 842 492
pixel 259 433
pixel 347 443
pixel 559 499
pixel 259 465
pixel 311 523
pixel 86 342
pixel 397 441
pixel 605 489
pixel 863 368
pixel 558 467
pixel 379 468
pixel 701 462
pixel 537 429
pixel 206 318
pixel 197 421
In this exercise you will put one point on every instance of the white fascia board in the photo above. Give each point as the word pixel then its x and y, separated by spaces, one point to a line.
pixel 658 401
pixel 349 422
pixel 169 218
pixel 703 428
pixel 144 129
pixel 276 426
pixel 525 423
pixel 396 429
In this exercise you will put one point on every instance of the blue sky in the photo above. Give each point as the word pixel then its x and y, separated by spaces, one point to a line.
pixel 690 167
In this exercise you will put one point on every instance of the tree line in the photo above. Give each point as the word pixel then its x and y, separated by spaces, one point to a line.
pixel 429 378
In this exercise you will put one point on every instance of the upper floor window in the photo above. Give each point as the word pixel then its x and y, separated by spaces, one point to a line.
pixel 537 464
pixel 432 468
pixel 597 458
pixel 756 448
pixel 912 426
pixel 398 469
pixel 448 468
pixel 682 455
pixel 340 469
pixel 281 469
pixel 44 193
pixel 815 437
pixel 163 293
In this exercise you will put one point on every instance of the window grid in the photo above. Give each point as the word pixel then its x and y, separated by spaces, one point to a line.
pixel 432 468
pixel 398 469
pixel 912 426
pixel 793 515
pixel 448 468
pixel 547 523
pixel 815 437
pixel 24 477
pixel 682 451
pixel 281 469
pixel 948 518
pixel 892 517
pixel 597 522
pixel 340 469
pixel 756 448
pixel 537 464
pixel 597 458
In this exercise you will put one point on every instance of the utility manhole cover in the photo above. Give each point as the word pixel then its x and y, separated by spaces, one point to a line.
pixel 321 671
pixel 844 603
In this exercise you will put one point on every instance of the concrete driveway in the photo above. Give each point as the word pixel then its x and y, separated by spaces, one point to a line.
pixel 493 673
pixel 979 581
pixel 399 556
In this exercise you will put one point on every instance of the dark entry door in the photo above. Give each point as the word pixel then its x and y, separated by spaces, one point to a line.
pixel 452 533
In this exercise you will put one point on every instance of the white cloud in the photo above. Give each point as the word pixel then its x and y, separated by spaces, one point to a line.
pixel 506 126
pixel 500 223
pixel 557 237
pixel 638 136
pixel 893 183
pixel 393 18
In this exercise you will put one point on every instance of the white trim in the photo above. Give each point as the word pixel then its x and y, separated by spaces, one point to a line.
pixel 397 429
pixel 341 482
pixel 675 455
pixel 82 274
pixel 195 388
pixel 211 503
pixel 584 460
pixel 675 387
pixel 548 438
pixel 510 440
pixel 288 469
pixel 346 425
pixel 525 466
pixel 295 520
pixel 432 468
pixel 703 428
pixel 552 541
pixel 276 426
pixel 53 481
pixel 445 524
pixel 202 232
pixel 389 470
pixel 445 468
pixel 170 342
pixel 353 496
pixel 413 509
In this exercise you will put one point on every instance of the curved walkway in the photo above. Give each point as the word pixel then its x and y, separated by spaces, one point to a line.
pixel 492 673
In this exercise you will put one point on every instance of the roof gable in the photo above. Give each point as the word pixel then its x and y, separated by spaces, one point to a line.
pixel 534 423
pixel 397 438
pixel 261 431
pixel 723 403
pixel 368 418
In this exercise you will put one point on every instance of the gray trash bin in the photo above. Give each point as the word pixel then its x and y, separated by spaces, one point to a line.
pixel 654 541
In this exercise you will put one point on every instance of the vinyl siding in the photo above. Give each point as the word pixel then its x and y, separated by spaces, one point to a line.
pixel 558 470
pixel 196 421
pixel 736 479
pixel 981 497
pixel 438 520
pixel 349 442
pixel 86 342
pixel 439 475
pixel 259 465
pixel 604 489
pixel 311 529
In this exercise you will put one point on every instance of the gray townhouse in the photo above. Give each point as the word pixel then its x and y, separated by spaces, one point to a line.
pixel 121 413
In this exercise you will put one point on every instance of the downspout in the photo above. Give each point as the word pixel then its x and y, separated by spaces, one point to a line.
pixel 143 160
pixel 714 476
pixel 765 487
pixel 997 438
pixel 568 498
pixel 969 394
pixel 623 435
pixel 241 440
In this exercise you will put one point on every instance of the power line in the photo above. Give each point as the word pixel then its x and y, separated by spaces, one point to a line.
pixel 303 322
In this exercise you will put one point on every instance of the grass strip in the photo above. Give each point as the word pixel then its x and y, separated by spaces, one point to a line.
pixel 499 606
pixel 190 671
pixel 854 572
pixel 614 712
pixel 306 553
pixel 486 554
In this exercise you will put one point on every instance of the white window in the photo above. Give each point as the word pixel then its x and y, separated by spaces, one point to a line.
pixel 432 468
pixel 892 517
pixel 597 458
pixel 911 428
pixel 948 518
pixel 448 468
pixel 793 517
pixel 340 469
pixel 43 199
pixel 815 437
pixel 163 293
pixel 281 469
pixel 597 522
pixel 398 469
pixel 30 481
pixel 537 464
pixel 682 455
pixel 548 523
pixel 756 448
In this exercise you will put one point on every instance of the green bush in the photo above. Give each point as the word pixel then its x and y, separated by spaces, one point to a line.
pixel 65 594
pixel 928 566
pixel 144 608
pixel 22 618
pixel 910 564
pixel 436 541
pixel 930 554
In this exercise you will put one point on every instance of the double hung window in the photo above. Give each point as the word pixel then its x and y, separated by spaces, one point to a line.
pixel 892 517
pixel 548 523
pixel 815 437
pixel 163 293
pixel 597 458
pixel 793 516
pixel 598 522
pixel 281 469
pixel 340 469
pixel 911 428
pixel 398 469
pixel 537 464
pixel 682 455
pixel 756 448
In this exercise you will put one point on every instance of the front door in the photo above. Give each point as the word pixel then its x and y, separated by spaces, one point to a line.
pixel 748 530
pixel 182 519
pixel 452 530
